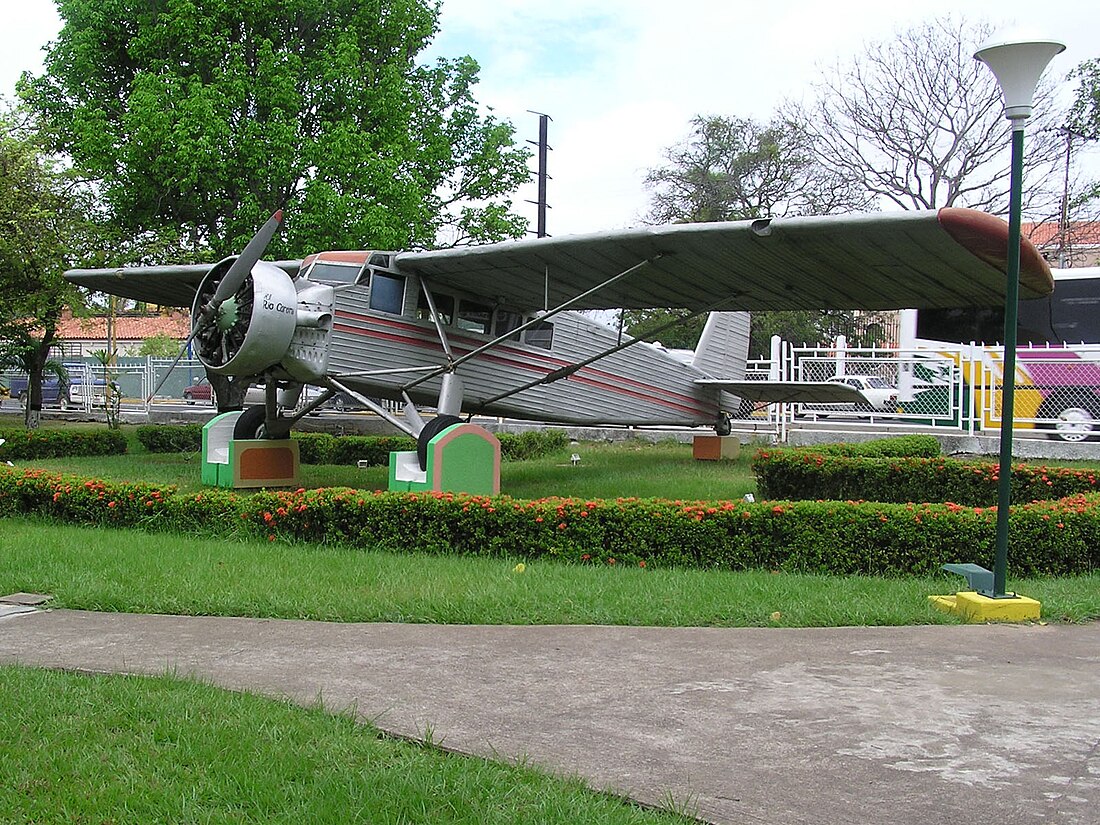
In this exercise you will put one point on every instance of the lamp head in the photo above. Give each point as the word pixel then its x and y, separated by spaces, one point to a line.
pixel 1017 61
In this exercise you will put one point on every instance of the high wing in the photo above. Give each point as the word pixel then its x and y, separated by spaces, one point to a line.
pixel 952 257
pixel 171 285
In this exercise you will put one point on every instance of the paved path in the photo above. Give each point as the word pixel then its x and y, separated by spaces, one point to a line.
pixel 754 725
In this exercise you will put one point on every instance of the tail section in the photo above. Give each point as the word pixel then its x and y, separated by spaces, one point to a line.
pixel 724 346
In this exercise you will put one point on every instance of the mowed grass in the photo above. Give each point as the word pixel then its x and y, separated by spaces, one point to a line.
pixel 135 572
pixel 83 748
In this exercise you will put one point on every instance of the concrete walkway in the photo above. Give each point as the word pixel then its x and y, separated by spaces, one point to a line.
pixel 853 725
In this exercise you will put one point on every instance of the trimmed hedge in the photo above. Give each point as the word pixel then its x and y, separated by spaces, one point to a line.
pixel 805 474
pixel 895 446
pixel 323 448
pixel 31 444
pixel 1049 537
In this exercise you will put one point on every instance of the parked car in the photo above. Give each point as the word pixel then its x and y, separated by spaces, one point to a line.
pixel 199 391
pixel 55 391
pixel 881 396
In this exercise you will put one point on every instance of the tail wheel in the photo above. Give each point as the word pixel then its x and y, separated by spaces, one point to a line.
pixel 430 431
pixel 724 425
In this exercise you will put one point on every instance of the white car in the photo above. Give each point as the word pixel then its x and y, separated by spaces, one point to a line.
pixel 881 396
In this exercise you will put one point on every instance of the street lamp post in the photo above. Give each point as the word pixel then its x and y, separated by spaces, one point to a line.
pixel 1017 64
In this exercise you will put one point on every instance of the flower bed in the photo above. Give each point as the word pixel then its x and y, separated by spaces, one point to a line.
pixel 1049 537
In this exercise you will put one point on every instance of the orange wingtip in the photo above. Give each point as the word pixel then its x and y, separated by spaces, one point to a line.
pixel 986 236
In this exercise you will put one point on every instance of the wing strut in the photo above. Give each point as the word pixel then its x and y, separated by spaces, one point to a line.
pixel 450 367
pixel 566 371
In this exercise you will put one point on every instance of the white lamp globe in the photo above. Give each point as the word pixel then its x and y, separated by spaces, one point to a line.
pixel 1017 60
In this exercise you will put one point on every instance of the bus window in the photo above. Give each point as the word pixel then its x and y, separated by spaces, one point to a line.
pixel 444 305
pixel 474 317
pixel 540 335
pixel 387 293
pixel 1075 311
pixel 506 322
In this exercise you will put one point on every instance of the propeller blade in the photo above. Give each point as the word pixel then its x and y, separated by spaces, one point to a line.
pixel 240 268
pixel 172 366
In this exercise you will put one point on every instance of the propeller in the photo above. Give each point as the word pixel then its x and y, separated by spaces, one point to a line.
pixel 227 287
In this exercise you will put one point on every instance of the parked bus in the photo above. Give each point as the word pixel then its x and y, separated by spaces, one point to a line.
pixel 1057 360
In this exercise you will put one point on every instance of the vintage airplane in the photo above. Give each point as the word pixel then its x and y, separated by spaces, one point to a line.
pixel 495 330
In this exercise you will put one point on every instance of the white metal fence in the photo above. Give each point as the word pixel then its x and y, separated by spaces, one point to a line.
pixel 952 388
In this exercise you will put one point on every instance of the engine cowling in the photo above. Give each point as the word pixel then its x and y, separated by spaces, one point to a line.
pixel 251 331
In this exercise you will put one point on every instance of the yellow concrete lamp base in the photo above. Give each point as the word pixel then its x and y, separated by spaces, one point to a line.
pixel 974 607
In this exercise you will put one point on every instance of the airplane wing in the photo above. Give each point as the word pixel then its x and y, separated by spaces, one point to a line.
pixel 172 286
pixel 953 257
pixel 789 392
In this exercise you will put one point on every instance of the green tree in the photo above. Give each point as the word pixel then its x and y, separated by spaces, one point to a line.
pixel 732 169
pixel 1084 117
pixel 159 346
pixel 40 224
pixel 199 118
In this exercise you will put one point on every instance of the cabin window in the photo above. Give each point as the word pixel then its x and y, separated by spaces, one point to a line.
pixel 505 323
pixel 444 305
pixel 387 293
pixel 330 272
pixel 474 317
pixel 540 335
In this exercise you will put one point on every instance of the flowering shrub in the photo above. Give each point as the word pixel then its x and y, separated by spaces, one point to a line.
pixel 1049 537
pixel 30 444
pixel 809 474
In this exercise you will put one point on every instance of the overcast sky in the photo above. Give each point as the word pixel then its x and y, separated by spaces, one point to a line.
pixel 622 78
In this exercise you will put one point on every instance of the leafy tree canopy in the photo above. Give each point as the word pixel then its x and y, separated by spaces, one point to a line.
pixel 196 119
pixel 736 169
pixel 41 224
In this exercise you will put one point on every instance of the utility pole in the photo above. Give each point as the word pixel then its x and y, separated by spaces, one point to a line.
pixel 1063 216
pixel 544 149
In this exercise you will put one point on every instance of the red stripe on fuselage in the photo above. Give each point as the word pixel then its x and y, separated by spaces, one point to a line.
pixel 600 379
pixel 473 343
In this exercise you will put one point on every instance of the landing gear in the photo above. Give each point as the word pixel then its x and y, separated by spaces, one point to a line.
pixel 430 431
pixel 724 424
pixel 251 424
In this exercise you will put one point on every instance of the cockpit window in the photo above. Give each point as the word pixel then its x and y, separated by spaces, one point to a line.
pixel 330 272
pixel 387 293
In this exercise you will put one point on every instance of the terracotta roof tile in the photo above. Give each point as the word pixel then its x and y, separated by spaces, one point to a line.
pixel 127 327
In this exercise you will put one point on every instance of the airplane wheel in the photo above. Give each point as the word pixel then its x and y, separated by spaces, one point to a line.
pixel 724 425
pixel 339 404
pixel 252 423
pixel 430 431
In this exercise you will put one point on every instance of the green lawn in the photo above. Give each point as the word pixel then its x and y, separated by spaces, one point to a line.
pixel 99 749
pixel 131 571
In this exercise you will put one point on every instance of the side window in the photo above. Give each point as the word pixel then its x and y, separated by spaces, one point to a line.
pixel 505 323
pixel 540 335
pixel 444 305
pixel 387 293
pixel 474 317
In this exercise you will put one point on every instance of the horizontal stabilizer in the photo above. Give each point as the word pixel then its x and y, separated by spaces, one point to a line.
pixel 789 392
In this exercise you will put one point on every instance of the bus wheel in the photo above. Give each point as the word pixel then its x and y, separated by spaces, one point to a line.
pixel 1074 424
